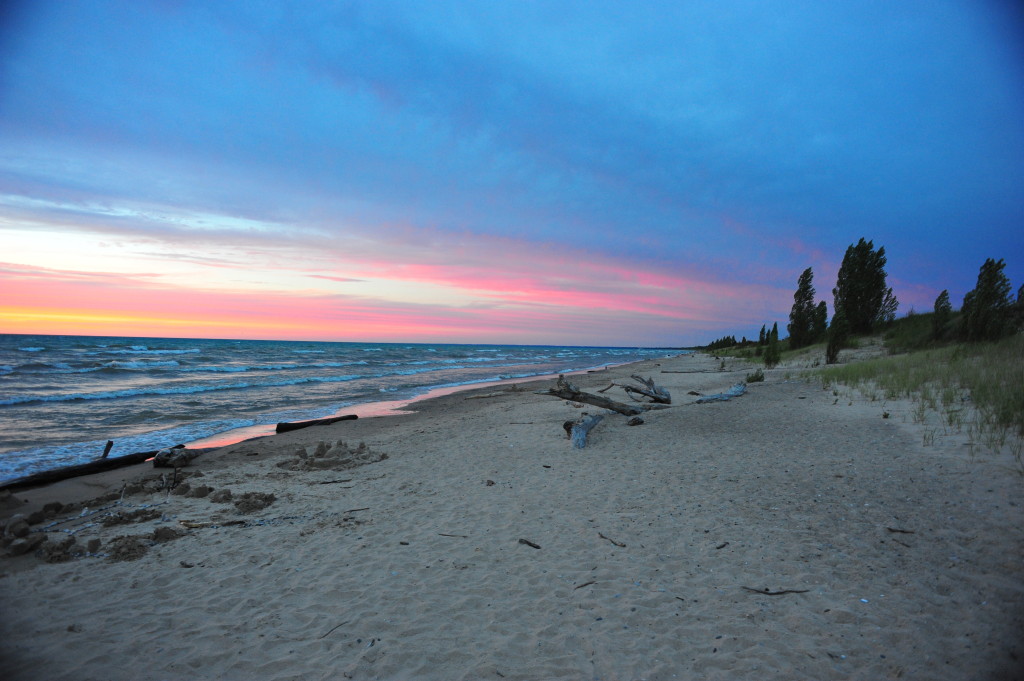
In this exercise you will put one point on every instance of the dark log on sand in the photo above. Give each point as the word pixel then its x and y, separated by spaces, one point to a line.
pixel 297 425
pixel 649 390
pixel 567 391
pixel 87 468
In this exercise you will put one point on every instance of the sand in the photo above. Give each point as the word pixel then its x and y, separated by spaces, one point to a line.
pixel 897 555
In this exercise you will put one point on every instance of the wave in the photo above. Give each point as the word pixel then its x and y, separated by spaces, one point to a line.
pixel 143 350
pixel 193 389
pixel 181 390
pixel 270 367
pixel 31 349
pixel 141 364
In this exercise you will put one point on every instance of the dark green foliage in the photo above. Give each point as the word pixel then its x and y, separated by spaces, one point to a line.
pixel 802 315
pixel 763 338
pixel 985 313
pixel 943 313
pixel 913 332
pixel 723 342
pixel 819 324
pixel 755 377
pixel 838 333
pixel 860 292
pixel 773 353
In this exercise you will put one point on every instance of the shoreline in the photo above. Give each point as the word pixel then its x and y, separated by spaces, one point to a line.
pixel 381 408
pixel 374 407
pixel 786 533
pixel 84 487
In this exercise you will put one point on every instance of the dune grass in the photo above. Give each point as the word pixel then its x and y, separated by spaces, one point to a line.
pixel 977 386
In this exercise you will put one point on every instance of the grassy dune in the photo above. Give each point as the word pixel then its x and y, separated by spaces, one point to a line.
pixel 979 387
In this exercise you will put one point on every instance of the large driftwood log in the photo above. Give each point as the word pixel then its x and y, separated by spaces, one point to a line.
pixel 88 468
pixel 655 393
pixel 296 425
pixel 567 391
pixel 580 428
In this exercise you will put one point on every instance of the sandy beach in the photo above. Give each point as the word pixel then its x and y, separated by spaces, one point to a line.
pixel 791 533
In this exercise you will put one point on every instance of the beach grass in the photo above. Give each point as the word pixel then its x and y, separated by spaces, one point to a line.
pixel 979 387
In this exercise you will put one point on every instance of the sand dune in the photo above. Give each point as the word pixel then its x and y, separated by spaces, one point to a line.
pixel 898 560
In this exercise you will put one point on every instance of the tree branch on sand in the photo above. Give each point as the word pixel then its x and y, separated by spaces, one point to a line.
pixel 567 391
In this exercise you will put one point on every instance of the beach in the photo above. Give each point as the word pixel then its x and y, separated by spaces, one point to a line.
pixel 790 533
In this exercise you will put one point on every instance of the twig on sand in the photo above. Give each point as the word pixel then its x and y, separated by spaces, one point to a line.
pixel 584 584
pixel 529 543
pixel 898 531
pixel 334 629
pixel 766 592
pixel 617 543
pixel 353 510
pixel 331 482
pixel 460 536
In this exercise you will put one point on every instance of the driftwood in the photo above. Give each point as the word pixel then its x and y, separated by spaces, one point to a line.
pixel 649 390
pixel 297 425
pixel 87 468
pixel 579 429
pixel 734 391
pixel 174 457
pixel 567 391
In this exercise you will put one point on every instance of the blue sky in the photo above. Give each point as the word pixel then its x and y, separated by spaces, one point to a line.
pixel 572 172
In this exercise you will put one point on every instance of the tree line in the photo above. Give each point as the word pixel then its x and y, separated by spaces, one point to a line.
pixel 863 303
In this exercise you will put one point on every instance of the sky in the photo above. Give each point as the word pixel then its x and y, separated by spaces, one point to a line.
pixel 582 173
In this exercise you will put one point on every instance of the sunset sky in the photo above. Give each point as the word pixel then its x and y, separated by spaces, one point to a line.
pixel 586 173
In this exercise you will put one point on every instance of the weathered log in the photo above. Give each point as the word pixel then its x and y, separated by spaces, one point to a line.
pixel 734 391
pixel 650 390
pixel 579 431
pixel 567 391
pixel 297 425
pixel 87 468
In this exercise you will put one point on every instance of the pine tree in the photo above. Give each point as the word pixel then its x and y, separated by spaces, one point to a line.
pixel 772 354
pixel 860 292
pixel 985 310
pixel 801 316
pixel 762 339
pixel 819 327
pixel 943 311
pixel 838 331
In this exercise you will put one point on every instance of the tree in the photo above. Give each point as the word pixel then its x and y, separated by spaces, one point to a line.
pixel 762 339
pixel 819 325
pixel 802 315
pixel 943 311
pixel 985 313
pixel 838 332
pixel 772 354
pixel 860 292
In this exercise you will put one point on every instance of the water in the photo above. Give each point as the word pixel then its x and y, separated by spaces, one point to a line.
pixel 63 397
